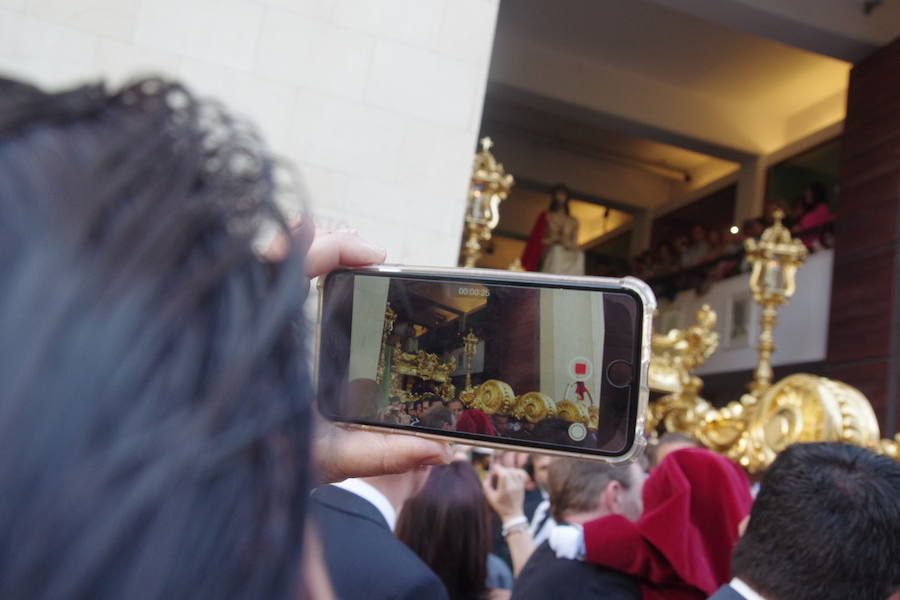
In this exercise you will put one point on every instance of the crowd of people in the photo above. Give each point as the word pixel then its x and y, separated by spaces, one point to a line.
pixel 160 439
pixel 686 527
pixel 708 255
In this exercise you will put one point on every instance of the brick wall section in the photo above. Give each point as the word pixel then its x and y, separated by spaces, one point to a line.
pixel 864 329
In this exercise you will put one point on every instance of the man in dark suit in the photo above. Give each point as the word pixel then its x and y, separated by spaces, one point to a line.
pixel 579 492
pixel 825 526
pixel 355 521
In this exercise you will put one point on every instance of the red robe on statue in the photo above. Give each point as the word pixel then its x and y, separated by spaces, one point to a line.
pixel 534 249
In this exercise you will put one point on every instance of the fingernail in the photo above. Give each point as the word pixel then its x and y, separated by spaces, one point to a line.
pixel 380 250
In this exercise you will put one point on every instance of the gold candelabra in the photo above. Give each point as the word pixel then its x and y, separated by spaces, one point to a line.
pixel 775 259
pixel 470 348
pixel 490 186
pixel 389 317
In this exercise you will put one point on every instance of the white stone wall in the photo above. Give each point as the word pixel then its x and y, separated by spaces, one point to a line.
pixel 377 101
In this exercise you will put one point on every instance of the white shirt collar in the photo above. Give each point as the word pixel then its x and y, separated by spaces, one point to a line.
pixel 744 590
pixel 368 492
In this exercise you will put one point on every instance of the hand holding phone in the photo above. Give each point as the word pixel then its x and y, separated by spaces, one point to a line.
pixel 340 452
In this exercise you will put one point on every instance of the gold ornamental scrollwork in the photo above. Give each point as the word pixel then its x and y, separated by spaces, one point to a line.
pixel 576 412
pixel 678 352
pixel 534 407
pixel 799 408
pixel 494 397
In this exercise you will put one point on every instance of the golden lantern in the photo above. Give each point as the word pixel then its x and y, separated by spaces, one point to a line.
pixel 775 259
pixel 490 186
pixel 470 348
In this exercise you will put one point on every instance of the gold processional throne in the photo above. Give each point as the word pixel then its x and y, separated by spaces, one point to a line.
pixel 755 428
pixel 494 397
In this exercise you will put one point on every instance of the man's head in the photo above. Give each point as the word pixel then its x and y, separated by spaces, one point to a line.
pixel 582 490
pixel 437 417
pixel 418 409
pixel 826 524
pixel 456 409
pixel 429 400
pixel 698 234
pixel 559 198
pixel 668 443
pixel 501 423
pixel 540 464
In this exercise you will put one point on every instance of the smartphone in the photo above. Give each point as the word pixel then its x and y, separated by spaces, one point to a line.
pixel 520 361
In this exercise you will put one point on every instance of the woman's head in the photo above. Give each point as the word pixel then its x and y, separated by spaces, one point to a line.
pixel 698 234
pixel 664 251
pixel 448 525
pixel 813 195
pixel 154 404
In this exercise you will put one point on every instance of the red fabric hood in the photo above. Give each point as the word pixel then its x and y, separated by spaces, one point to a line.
pixel 475 421
pixel 681 546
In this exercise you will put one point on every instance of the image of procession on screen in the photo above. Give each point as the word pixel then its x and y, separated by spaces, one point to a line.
pixel 502 361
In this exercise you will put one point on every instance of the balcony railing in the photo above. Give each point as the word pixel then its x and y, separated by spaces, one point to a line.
pixel 802 332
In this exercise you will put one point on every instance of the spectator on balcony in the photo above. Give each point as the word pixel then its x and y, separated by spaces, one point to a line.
pixel 815 213
pixel 731 255
pixel 679 247
pixel 697 248
pixel 663 263
pixel 639 265
pixel 716 245
pixel 753 228
pixel 733 242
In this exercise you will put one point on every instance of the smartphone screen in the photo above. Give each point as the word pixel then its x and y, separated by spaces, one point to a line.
pixel 522 363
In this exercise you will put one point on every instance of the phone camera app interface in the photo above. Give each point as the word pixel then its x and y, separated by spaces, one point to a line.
pixel 502 361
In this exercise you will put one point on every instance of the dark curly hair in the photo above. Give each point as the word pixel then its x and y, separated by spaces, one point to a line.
pixel 154 409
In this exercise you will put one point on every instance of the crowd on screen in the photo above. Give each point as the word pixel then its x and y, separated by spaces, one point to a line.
pixel 160 439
